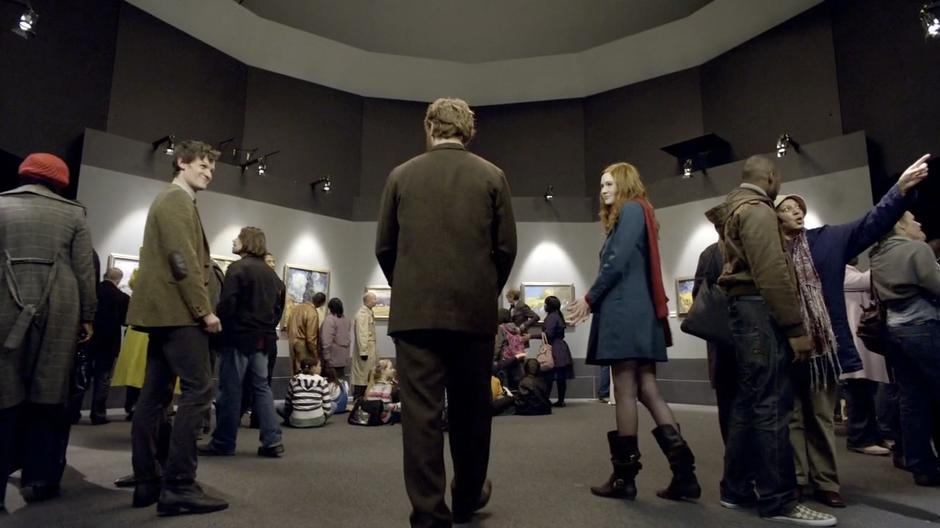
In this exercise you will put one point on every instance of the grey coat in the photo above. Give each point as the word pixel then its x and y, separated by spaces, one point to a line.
pixel 446 241
pixel 624 325
pixel 49 245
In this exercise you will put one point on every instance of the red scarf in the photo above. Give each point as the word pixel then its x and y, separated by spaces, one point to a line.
pixel 656 272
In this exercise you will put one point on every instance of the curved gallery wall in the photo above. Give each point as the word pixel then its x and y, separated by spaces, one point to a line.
pixel 551 252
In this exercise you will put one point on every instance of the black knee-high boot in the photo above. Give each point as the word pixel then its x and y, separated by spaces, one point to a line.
pixel 625 458
pixel 684 484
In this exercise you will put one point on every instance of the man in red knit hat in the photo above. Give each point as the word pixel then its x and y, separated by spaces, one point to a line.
pixel 47 304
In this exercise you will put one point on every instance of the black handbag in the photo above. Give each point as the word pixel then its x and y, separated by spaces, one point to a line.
pixel 708 316
pixel 873 325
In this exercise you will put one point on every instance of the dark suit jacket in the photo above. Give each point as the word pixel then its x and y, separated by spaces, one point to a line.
pixel 175 277
pixel 251 303
pixel 446 241
pixel 111 314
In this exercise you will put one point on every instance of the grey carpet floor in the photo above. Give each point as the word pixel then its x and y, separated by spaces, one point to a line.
pixel 541 468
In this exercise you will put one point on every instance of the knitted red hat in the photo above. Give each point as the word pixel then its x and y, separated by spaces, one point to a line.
pixel 46 167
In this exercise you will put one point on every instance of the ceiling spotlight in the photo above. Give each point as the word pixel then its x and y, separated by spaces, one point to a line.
pixel 930 20
pixel 327 184
pixel 248 153
pixel 687 169
pixel 549 193
pixel 260 161
pixel 784 142
pixel 28 20
pixel 170 142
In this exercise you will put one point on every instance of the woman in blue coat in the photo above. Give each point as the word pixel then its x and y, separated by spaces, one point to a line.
pixel 630 333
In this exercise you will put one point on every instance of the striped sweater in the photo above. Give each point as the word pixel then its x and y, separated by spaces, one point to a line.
pixel 308 396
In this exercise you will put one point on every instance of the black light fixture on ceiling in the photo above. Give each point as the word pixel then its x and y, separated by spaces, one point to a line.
pixel 260 161
pixel 327 184
pixel 221 144
pixel 549 193
pixel 687 169
pixel 784 142
pixel 170 141
pixel 930 20
pixel 25 26
pixel 699 153
pixel 238 152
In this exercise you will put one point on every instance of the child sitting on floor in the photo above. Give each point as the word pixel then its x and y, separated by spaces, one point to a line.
pixel 383 386
pixel 532 396
pixel 308 402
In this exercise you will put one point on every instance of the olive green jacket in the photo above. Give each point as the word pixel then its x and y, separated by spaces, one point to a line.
pixel 175 277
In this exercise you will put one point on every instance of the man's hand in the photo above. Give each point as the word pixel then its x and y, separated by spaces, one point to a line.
pixel 85 332
pixel 802 348
pixel 212 323
pixel 578 311
pixel 913 175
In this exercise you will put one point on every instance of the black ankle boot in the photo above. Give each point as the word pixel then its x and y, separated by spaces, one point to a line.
pixel 625 458
pixel 683 485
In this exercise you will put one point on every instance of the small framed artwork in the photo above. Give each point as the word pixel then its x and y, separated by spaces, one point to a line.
pixel 383 305
pixel 534 294
pixel 298 279
pixel 223 262
pixel 684 287
pixel 126 263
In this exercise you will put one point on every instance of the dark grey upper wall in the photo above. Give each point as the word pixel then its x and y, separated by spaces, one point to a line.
pixel 59 81
pixel 318 131
pixel 782 80
pixel 168 82
pixel 634 122
pixel 392 132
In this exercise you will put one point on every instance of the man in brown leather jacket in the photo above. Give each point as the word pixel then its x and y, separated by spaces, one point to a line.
pixel 175 303
pixel 767 327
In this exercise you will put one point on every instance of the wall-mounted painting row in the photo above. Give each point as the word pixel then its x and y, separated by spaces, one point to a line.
pixel 383 304
pixel 300 279
pixel 684 287
pixel 535 293
pixel 129 263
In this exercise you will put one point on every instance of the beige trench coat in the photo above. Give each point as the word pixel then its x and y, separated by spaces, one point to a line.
pixel 365 347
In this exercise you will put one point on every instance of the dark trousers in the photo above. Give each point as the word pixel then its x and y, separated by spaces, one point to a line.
pixel 131 395
pixel 758 444
pixel 726 387
pixel 33 437
pixel 102 367
pixel 429 362
pixel 916 365
pixel 248 389
pixel 862 427
pixel 174 351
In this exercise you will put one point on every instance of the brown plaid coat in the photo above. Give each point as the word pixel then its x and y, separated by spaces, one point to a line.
pixel 37 224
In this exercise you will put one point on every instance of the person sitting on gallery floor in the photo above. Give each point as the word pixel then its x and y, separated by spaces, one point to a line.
pixel 308 402
pixel 507 349
pixel 532 398
pixel 339 390
pixel 383 386
pixel 502 397
pixel 335 331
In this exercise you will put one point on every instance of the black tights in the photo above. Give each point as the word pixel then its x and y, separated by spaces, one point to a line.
pixel 562 386
pixel 636 381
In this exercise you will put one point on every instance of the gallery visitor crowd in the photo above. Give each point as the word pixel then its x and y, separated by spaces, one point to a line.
pixel 789 318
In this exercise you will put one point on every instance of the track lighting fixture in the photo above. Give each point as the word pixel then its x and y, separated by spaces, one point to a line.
pixel 25 26
pixel 687 169
pixel 549 193
pixel 784 142
pixel 930 20
pixel 170 141
pixel 327 184
pixel 238 152
pixel 221 144
pixel 260 161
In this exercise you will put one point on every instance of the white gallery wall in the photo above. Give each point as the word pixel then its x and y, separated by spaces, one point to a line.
pixel 547 252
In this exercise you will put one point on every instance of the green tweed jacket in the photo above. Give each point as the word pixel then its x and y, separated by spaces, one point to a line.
pixel 173 283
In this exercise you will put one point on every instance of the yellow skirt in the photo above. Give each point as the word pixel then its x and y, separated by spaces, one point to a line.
pixel 131 366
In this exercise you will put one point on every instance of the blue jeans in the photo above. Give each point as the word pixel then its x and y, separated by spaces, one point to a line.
pixel 603 389
pixel 758 452
pixel 234 366
pixel 916 363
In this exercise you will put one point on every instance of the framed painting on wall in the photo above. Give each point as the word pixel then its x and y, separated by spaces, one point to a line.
pixel 223 262
pixel 383 305
pixel 297 279
pixel 127 264
pixel 534 294
pixel 684 287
